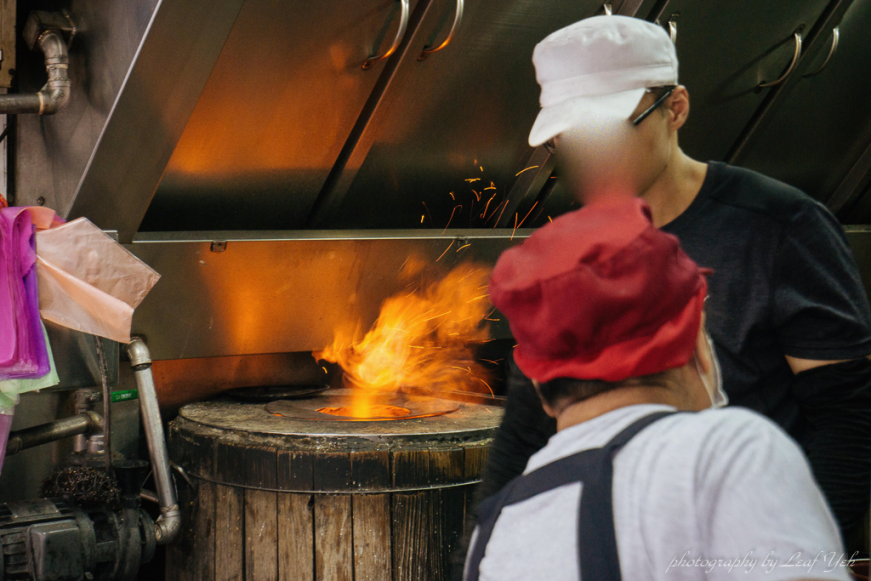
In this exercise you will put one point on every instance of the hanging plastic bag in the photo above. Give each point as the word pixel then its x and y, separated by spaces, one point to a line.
pixel 89 282
pixel 23 352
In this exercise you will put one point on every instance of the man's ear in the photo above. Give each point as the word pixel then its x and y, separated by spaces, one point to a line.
pixel 678 107
pixel 547 409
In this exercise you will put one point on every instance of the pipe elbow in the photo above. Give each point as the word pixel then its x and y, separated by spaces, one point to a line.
pixel 53 97
pixel 167 525
pixel 52 45
pixel 138 352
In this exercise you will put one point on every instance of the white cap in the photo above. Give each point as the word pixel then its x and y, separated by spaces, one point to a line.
pixel 598 69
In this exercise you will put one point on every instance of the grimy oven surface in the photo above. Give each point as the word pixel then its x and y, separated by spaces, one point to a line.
pixel 300 496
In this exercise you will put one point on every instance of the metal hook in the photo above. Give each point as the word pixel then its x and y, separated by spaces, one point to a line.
pixel 672 30
pixel 182 473
pixel 795 58
pixel 458 17
pixel 400 32
pixel 836 36
pixel 608 10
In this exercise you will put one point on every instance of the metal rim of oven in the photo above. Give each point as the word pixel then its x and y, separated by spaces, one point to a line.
pixel 470 420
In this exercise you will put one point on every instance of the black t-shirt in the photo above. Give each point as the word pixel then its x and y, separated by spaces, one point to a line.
pixel 784 283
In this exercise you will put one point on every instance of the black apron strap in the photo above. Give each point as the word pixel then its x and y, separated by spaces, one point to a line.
pixel 596 522
pixel 597 537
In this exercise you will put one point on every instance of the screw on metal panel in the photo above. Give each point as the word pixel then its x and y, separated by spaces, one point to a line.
pixel 40 200
pixel 219 246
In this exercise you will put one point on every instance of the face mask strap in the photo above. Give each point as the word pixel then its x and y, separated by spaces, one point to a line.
pixel 715 391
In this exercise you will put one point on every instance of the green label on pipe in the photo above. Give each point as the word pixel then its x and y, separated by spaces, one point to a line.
pixel 125 395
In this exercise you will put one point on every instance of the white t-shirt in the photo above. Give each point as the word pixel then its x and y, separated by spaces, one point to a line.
pixel 719 494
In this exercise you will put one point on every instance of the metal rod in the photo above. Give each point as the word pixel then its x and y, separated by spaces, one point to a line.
pixel 107 406
pixel 83 423
pixel 168 524
pixel 836 36
pixel 458 18
pixel 400 32
pixel 795 56
pixel 355 491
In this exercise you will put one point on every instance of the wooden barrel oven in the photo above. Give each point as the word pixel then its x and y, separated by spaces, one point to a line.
pixel 295 499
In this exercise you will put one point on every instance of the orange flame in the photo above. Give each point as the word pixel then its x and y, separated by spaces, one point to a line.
pixel 422 338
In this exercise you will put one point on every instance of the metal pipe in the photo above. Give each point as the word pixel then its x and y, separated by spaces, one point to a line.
pixel 168 524
pixel 85 422
pixel 56 93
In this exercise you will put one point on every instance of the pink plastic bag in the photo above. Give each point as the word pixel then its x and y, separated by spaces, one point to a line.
pixel 89 282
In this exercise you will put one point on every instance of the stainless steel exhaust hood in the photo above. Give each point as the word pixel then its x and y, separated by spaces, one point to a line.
pixel 253 123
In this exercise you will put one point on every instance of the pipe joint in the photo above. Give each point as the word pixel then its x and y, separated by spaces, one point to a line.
pixel 138 353
pixel 167 525
pixel 44 31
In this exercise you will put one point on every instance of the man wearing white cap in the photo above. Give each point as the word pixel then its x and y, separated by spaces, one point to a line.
pixel 787 310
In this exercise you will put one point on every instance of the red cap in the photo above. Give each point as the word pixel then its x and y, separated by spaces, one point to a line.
pixel 600 293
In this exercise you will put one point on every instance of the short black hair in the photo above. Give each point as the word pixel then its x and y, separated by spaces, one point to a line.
pixel 568 390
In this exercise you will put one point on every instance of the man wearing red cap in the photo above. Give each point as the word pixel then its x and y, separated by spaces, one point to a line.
pixel 787 309
pixel 607 313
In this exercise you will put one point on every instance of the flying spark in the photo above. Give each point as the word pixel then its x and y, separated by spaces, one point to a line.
pixel 525 169
pixel 528 213
pixel 446 250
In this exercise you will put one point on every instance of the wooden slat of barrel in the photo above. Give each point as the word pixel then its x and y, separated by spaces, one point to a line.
pixel 412 551
pixel 261 532
pixel 334 553
pixel 295 470
pixel 371 470
pixel 204 527
pixel 452 518
pixel 229 533
pixel 295 537
pixel 372 537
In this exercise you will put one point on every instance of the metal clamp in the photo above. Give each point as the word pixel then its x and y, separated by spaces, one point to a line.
pixel 403 24
pixel 458 17
pixel 182 473
pixel 836 37
pixel 795 58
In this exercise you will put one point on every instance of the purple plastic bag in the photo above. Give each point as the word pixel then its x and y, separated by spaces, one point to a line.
pixel 23 352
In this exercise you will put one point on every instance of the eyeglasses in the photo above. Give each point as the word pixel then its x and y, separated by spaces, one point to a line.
pixel 550 145
pixel 652 108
